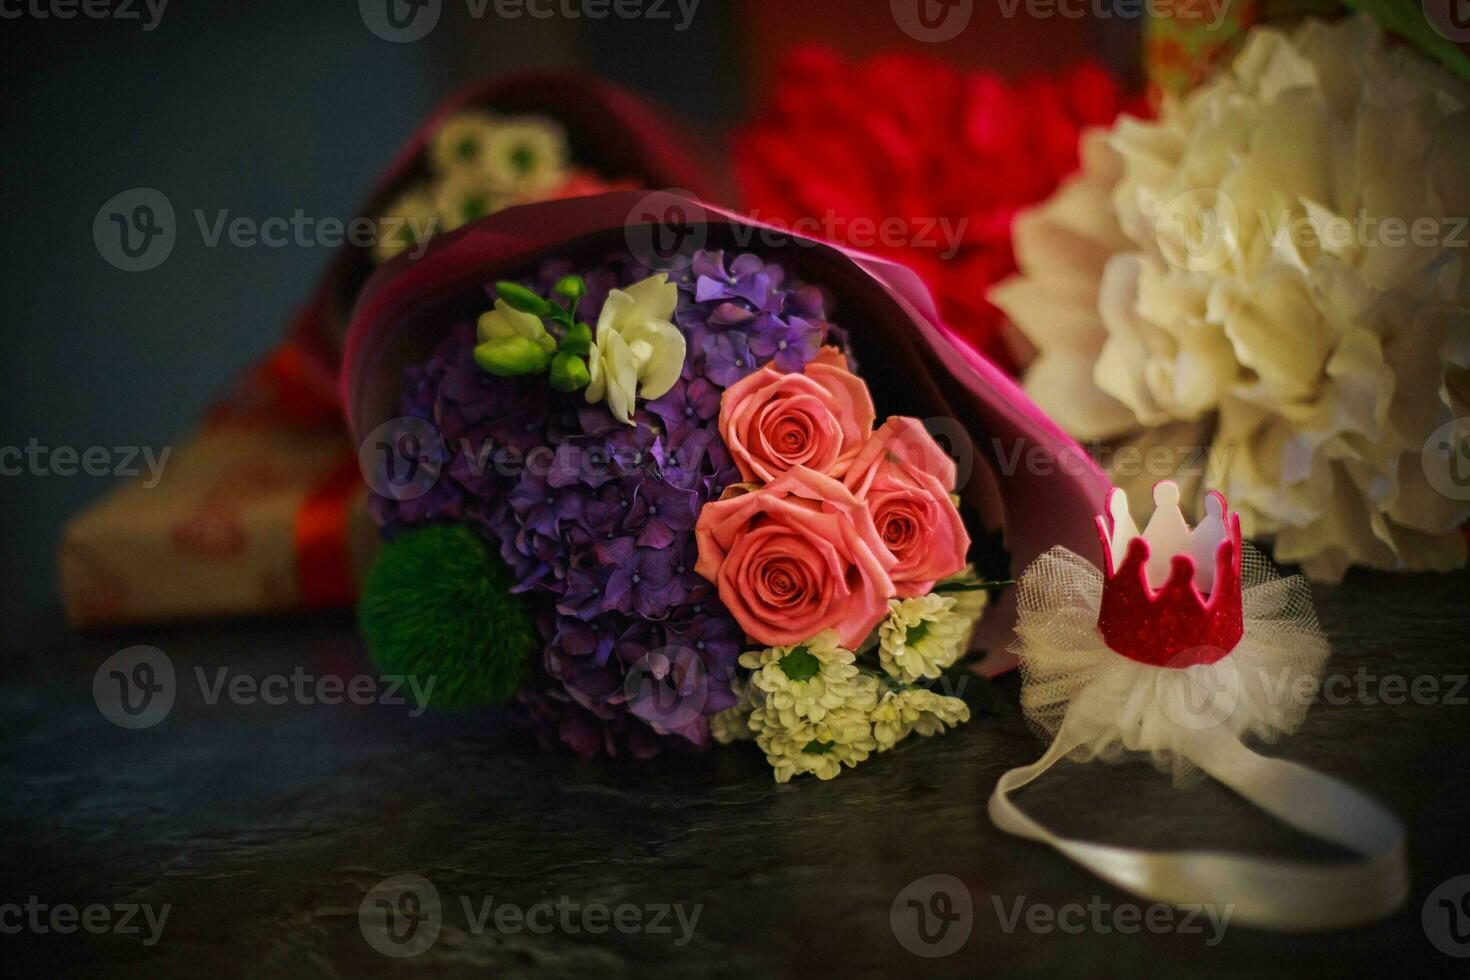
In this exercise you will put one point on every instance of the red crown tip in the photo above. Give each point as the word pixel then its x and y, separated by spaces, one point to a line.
pixel 1181 573
pixel 1175 625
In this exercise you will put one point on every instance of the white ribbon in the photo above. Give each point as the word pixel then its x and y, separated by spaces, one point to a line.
pixel 1268 893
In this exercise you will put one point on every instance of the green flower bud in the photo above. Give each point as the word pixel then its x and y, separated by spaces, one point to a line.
pixel 570 288
pixel 511 356
pixel 578 340
pixel 569 372
pixel 521 298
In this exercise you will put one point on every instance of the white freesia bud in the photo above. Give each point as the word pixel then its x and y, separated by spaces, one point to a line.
pixel 637 351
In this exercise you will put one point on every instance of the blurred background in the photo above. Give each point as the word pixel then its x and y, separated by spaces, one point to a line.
pixel 267 108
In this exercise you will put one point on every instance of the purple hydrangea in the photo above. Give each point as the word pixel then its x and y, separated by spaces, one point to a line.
pixel 596 519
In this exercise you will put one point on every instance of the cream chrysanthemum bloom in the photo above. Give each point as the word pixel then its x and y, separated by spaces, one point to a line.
pixel 901 712
pixel 407 223
pixel 465 195
pixel 843 737
pixel 922 636
pixel 526 155
pixel 461 142
pixel 802 684
pixel 733 724
pixel 1274 269
pixel 970 598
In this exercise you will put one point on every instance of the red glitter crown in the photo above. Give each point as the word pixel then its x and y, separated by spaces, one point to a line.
pixel 1195 615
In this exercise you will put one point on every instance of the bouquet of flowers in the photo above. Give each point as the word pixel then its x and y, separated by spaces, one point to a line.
pixel 648 497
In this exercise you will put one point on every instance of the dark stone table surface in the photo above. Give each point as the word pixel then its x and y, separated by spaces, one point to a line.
pixel 264 828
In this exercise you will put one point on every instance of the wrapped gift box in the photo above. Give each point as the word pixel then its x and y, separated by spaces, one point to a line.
pixel 263 509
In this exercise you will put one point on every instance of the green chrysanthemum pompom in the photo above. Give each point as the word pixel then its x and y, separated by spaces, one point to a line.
pixel 438 604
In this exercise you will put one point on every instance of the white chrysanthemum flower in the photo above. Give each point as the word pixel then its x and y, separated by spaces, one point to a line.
pixel 464 195
pixel 407 223
pixel 971 599
pixel 901 712
pixel 921 637
pixel 734 724
pixel 526 155
pixel 1271 270
pixel 843 737
pixel 802 684
pixel 461 142
pixel 731 725
pixel 637 351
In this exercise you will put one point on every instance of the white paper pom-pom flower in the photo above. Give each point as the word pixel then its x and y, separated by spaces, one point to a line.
pixel 1274 269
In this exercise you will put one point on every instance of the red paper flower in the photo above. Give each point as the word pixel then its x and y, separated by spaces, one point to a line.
pixel 842 150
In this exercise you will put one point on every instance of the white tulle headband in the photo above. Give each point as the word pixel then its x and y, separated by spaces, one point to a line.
pixel 1180 647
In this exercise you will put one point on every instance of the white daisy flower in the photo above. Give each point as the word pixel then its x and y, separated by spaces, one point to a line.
pixel 843 737
pixel 731 725
pixel 970 600
pixel 921 637
pixel 902 712
pixel 802 684
pixel 526 155
pixel 462 142
pixel 464 195
pixel 408 222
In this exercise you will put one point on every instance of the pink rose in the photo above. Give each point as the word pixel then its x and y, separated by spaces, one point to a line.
pixel 796 557
pixel 905 480
pixel 819 419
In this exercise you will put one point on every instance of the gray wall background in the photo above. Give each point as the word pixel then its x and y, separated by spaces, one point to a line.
pixel 261 108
